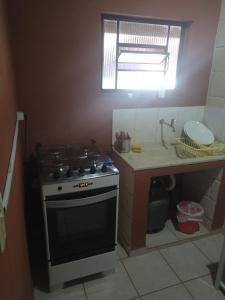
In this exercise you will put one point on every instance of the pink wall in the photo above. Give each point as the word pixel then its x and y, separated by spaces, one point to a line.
pixel 57 56
pixel 15 279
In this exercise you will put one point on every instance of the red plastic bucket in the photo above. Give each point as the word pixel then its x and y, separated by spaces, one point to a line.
pixel 188 215
pixel 188 227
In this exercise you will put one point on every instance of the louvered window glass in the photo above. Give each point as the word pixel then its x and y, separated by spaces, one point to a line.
pixel 140 54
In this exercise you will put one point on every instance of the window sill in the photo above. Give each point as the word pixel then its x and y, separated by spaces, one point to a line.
pixel 144 93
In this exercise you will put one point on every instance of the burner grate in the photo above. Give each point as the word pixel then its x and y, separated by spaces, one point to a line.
pixel 66 161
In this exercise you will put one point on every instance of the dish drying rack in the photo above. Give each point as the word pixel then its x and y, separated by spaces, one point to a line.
pixel 185 147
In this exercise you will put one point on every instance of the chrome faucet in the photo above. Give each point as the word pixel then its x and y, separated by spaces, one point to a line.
pixel 171 124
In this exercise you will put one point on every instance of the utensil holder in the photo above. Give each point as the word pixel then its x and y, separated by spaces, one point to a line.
pixel 123 145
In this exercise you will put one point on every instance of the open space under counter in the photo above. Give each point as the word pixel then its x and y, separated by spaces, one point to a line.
pixel 136 172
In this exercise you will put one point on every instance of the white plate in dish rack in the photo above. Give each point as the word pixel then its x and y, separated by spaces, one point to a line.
pixel 198 133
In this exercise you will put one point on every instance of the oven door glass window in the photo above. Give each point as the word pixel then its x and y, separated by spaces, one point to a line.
pixel 81 231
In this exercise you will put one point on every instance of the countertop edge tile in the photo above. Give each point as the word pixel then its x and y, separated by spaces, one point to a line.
pixel 146 160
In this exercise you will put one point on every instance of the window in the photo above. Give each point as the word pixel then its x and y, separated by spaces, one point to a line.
pixel 140 54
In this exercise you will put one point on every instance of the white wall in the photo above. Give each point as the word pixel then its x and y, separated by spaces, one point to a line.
pixel 143 125
pixel 214 116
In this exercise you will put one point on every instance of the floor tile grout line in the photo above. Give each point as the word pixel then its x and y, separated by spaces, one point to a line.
pixel 167 245
pixel 164 243
pixel 189 238
pixel 130 279
pixel 85 292
pixel 177 284
pixel 181 280
pixel 140 295
pixel 200 277
pixel 162 289
pixel 189 293
pixel 186 281
pixel 172 269
pixel 179 242
pixel 161 254
pixel 170 266
pixel 133 298
pixel 203 252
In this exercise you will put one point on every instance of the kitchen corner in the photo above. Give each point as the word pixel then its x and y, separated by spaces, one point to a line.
pixel 101 220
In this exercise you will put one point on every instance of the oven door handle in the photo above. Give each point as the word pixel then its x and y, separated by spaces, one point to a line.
pixel 81 201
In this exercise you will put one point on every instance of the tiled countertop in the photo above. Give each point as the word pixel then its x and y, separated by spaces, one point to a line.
pixel 156 156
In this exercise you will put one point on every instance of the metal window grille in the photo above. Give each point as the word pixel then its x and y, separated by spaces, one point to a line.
pixel 140 54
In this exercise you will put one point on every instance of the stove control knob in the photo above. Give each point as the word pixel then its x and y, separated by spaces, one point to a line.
pixel 81 170
pixel 57 174
pixel 69 173
pixel 92 169
pixel 104 168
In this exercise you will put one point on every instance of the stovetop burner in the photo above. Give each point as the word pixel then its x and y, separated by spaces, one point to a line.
pixel 73 162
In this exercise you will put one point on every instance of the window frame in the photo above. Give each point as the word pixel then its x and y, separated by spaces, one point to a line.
pixel 184 26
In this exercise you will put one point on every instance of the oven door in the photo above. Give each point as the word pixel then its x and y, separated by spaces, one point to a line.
pixel 81 227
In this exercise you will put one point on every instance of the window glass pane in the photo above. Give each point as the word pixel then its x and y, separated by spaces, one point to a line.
pixel 136 67
pixel 139 80
pixel 109 54
pixel 148 58
pixel 152 49
pixel 147 55
pixel 142 33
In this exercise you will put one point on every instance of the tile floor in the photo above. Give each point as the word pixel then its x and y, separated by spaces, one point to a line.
pixel 176 272
pixel 169 235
